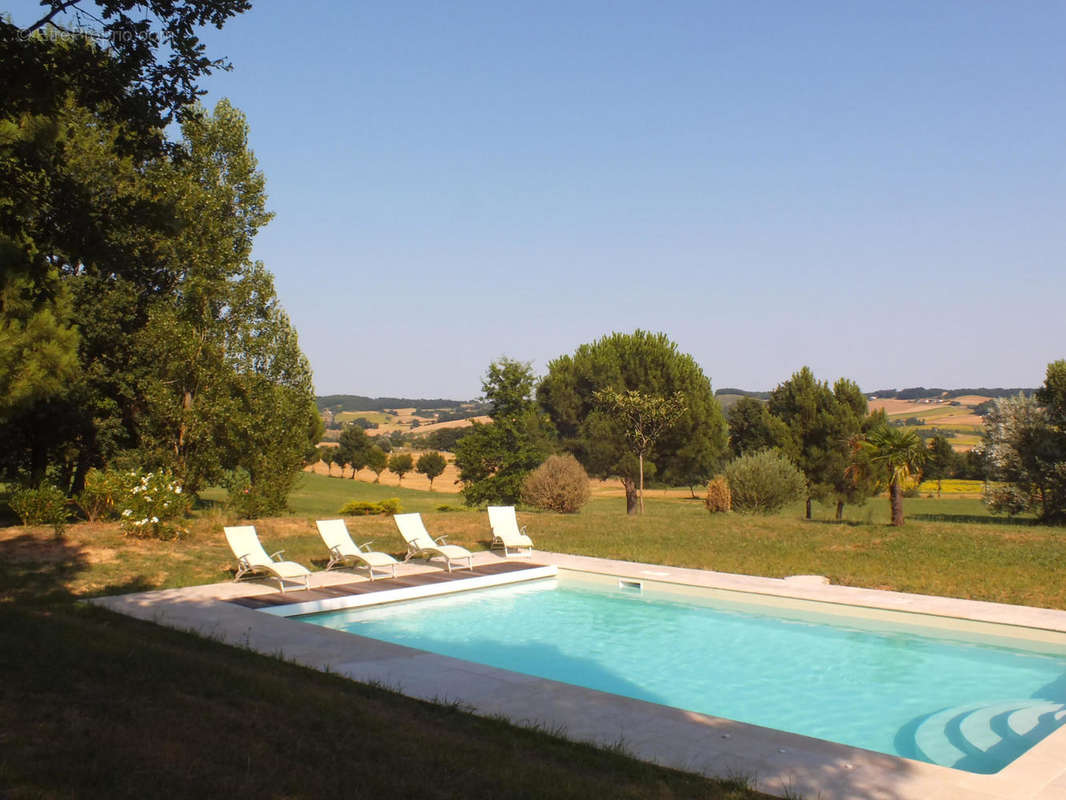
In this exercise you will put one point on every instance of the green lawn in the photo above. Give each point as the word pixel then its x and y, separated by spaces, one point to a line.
pixel 132 707
pixel 97 705
pixel 950 546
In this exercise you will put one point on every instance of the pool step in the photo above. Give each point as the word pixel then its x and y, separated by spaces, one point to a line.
pixel 964 736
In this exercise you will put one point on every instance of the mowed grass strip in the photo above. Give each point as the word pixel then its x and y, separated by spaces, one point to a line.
pixel 97 705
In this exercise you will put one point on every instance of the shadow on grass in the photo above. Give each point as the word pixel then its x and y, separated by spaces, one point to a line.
pixel 37 571
pixel 975 519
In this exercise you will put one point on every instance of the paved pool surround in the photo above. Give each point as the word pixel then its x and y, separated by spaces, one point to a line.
pixel 778 762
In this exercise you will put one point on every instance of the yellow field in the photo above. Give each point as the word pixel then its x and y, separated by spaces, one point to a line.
pixel 941 415
pixel 954 486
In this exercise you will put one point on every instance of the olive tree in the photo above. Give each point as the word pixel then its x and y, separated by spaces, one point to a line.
pixel 1025 450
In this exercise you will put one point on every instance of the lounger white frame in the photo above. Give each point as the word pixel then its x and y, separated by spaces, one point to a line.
pixel 252 558
pixel 420 543
pixel 342 550
pixel 506 533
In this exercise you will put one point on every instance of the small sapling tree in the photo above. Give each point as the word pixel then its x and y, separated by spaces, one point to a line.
pixel 644 417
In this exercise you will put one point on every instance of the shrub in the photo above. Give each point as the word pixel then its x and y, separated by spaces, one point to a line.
pixel 447 508
pixel 763 482
pixel 44 506
pixel 559 484
pixel 254 499
pixel 102 493
pixel 718 495
pixel 153 505
pixel 361 508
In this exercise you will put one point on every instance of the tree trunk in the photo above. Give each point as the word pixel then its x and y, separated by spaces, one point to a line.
pixel 632 504
pixel 640 494
pixel 78 486
pixel 938 482
pixel 895 493
pixel 808 508
pixel 38 463
pixel 183 426
pixel 840 510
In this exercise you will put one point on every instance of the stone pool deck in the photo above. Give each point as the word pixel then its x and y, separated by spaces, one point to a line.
pixel 778 762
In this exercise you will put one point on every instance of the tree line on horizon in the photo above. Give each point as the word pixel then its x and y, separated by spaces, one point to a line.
pixel 600 403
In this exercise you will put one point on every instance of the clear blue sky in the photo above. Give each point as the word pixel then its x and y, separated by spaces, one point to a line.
pixel 877 190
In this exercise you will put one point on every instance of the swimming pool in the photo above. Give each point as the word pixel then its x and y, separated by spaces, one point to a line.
pixel 895 684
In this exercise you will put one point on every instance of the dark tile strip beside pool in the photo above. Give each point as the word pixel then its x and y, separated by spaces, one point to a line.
pixel 380 585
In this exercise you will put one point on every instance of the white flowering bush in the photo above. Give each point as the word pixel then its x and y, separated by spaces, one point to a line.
pixel 153 505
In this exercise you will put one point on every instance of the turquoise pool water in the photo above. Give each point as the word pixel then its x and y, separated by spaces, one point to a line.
pixel 915 693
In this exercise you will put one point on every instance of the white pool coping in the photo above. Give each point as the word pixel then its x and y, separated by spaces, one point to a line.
pixel 778 762
pixel 412 592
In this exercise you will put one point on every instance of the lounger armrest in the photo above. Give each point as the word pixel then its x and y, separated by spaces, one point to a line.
pixel 524 530
pixel 276 556
pixel 335 551
pixel 365 547
pixel 441 540
pixel 244 562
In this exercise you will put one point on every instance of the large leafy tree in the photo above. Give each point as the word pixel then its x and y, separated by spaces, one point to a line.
pixel 130 68
pixel 91 222
pixel 752 427
pixel 896 456
pixel 223 381
pixel 141 60
pixel 170 338
pixel 649 363
pixel 494 458
pixel 1025 450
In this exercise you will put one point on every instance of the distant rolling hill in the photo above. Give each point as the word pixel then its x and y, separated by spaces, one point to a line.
pixel 356 402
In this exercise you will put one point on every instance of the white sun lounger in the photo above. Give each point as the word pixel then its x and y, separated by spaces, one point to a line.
pixel 342 550
pixel 506 533
pixel 420 543
pixel 251 558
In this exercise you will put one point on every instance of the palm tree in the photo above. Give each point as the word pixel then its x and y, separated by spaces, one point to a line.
pixel 897 454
